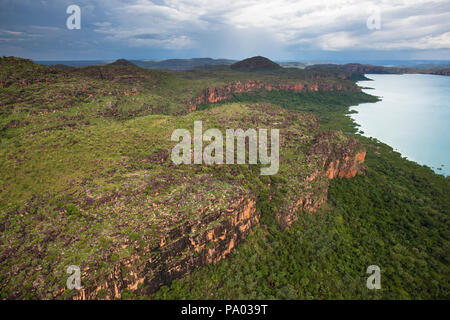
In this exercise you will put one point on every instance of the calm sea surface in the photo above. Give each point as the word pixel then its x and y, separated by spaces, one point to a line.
pixel 413 116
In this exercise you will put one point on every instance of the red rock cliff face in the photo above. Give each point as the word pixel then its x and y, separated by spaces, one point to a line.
pixel 347 167
pixel 335 157
pixel 213 95
pixel 188 246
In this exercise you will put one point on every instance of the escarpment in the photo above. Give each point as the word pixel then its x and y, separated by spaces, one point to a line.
pixel 333 156
pixel 207 230
pixel 340 158
pixel 217 94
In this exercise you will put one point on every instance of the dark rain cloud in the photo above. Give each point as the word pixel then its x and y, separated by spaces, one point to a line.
pixel 279 29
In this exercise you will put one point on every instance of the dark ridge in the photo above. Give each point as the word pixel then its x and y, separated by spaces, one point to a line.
pixel 183 64
pixel 122 62
pixel 255 64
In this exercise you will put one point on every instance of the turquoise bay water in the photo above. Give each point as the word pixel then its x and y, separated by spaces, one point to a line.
pixel 413 116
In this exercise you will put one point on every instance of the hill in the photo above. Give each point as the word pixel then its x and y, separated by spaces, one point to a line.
pixel 255 64
pixel 122 62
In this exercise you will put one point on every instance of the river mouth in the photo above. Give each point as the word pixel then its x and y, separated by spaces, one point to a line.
pixel 413 116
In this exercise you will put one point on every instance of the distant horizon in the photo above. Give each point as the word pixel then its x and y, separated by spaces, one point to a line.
pixel 199 57
pixel 381 62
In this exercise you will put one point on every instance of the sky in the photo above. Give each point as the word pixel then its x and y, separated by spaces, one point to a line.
pixel 282 30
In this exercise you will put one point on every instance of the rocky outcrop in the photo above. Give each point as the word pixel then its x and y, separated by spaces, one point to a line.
pixel 337 157
pixel 217 94
pixel 144 222
pixel 341 157
pixel 347 167
pixel 192 244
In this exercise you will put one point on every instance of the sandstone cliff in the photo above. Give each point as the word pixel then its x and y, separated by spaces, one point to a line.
pixel 216 94
pixel 187 246
pixel 335 157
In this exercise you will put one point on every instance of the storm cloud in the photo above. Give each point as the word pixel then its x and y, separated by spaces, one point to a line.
pixel 279 29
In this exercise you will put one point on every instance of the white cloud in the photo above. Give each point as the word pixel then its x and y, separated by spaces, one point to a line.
pixel 317 24
pixel 102 24
pixel 337 41
pixel 10 32
pixel 236 27
pixel 172 43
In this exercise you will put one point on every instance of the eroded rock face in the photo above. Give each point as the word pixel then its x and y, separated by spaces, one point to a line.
pixel 188 246
pixel 341 157
pixel 213 95
pixel 337 157
pixel 346 168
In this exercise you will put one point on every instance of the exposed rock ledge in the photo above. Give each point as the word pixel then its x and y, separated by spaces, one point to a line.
pixel 338 160
pixel 216 94
pixel 183 249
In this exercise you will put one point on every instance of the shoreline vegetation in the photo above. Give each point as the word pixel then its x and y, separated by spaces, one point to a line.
pixel 86 180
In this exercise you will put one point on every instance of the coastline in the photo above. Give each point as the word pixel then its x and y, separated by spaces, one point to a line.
pixel 360 118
